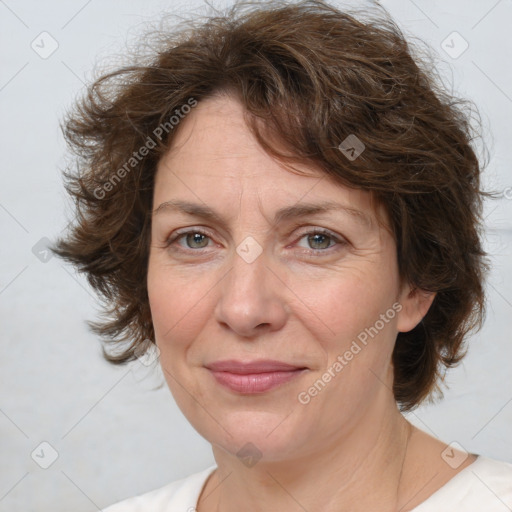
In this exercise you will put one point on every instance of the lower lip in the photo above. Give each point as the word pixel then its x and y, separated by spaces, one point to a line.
pixel 255 382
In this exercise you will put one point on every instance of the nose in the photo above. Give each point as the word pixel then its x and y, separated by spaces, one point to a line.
pixel 251 301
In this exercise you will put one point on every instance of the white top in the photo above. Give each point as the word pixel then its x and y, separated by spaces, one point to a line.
pixel 483 486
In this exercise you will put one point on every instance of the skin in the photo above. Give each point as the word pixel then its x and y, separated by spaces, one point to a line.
pixel 209 304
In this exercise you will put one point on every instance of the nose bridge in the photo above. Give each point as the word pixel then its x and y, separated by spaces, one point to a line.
pixel 250 294
pixel 249 262
pixel 248 281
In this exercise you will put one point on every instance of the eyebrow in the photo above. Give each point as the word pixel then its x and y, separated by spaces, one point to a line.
pixel 287 213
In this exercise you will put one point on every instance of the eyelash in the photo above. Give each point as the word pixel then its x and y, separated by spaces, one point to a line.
pixel 312 252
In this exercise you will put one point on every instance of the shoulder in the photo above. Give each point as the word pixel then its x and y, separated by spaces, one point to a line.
pixel 184 493
pixel 486 484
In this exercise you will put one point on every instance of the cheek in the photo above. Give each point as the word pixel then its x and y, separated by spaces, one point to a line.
pixel 177 310
pixel 343 305
pixel 175 302
pixel 357 344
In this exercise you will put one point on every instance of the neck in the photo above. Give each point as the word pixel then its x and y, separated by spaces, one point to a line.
pixel 371 455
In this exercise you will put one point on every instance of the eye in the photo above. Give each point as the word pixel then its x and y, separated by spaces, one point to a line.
pixel 193 239
pixel 320 240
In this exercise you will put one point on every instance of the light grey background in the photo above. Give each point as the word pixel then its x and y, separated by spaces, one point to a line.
pixel 114 434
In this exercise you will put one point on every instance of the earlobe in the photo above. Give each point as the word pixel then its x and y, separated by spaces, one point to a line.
pixel 415 305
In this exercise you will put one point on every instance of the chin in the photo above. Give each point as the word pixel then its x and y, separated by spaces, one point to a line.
pixel 255 435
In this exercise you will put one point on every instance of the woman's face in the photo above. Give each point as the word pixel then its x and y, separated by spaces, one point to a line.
pixel 275 322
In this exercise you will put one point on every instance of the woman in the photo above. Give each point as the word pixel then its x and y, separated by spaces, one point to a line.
pixel 334 197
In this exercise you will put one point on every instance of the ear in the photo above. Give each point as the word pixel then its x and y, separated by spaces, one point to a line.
pixel 415 304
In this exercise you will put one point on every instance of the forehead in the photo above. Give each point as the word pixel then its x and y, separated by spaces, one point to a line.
pixel 215 159
pixel 215 131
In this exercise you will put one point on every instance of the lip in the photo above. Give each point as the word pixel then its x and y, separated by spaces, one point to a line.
pixel 253 376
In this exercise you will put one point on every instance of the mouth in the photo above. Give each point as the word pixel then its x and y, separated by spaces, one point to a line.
pixel 254 376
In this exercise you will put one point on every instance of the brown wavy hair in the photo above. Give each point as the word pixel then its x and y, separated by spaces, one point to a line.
pixel 308 76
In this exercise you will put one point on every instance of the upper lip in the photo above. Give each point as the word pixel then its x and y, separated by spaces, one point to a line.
pixel 258 366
